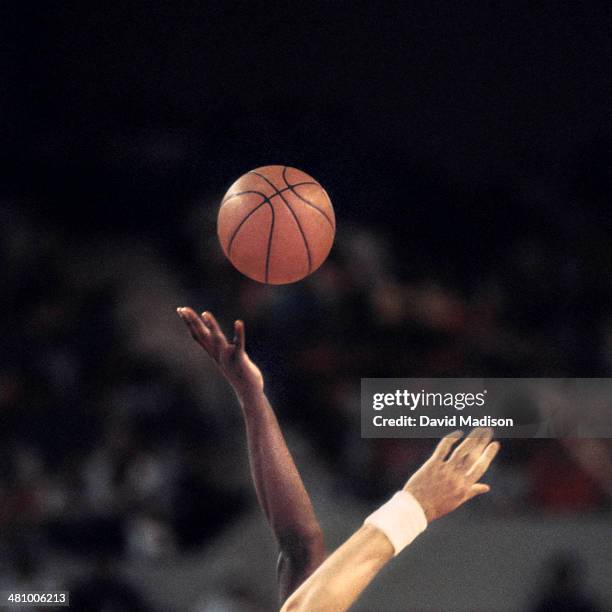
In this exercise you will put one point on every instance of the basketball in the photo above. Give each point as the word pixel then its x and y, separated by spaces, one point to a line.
pixel 276 224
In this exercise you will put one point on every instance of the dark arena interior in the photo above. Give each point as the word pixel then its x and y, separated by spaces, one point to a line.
pixel 467 150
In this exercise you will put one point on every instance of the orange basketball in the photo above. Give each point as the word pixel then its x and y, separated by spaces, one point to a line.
pixel 276 224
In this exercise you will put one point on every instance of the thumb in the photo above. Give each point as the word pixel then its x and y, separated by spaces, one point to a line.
pixel 477 489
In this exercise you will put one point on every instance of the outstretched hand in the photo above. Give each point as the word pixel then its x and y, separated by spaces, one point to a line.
pixel 230 357
pixel 443 483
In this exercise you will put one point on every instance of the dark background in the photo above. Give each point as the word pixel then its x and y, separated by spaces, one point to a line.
pixel 467 150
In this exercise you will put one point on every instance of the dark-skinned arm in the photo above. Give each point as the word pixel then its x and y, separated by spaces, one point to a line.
pixel 278 485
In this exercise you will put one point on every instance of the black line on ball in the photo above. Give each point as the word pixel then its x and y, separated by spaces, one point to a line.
pixel 263 195
pixel 229 245
pixel 308 202
pixel 269 242
pixel 240 193
pixel 278 192
pixel 301 232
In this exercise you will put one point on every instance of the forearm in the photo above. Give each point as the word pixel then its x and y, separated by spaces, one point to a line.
pixel 277 482
pixel 279 487
pixel 345 574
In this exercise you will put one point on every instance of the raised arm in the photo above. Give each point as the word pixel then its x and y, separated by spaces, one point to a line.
pixel 442 484
pixel 279 488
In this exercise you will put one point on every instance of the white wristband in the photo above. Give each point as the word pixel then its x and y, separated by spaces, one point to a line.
pixel 401 519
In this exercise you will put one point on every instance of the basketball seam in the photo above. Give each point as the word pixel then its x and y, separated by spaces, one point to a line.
pixel 267 272
pixel 263 195
pixel 297 221
pixel 308 202
pixel 234 195
pixel 244 220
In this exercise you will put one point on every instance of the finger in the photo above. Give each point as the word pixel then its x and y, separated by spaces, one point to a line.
pixel 445 444
pixel 196 326
pixel 478 489
pixel 212 324
pixel 484 461
pixel 239 340
pixel 473 445
pixel 218 337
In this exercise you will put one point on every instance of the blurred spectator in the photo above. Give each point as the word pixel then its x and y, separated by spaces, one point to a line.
pixel 565 590
pixel 104 589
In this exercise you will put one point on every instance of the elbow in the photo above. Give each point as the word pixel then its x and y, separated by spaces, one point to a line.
pixel 304 549
pixel 306 541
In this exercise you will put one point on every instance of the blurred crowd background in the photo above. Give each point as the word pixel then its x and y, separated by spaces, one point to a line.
pixel 471 185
